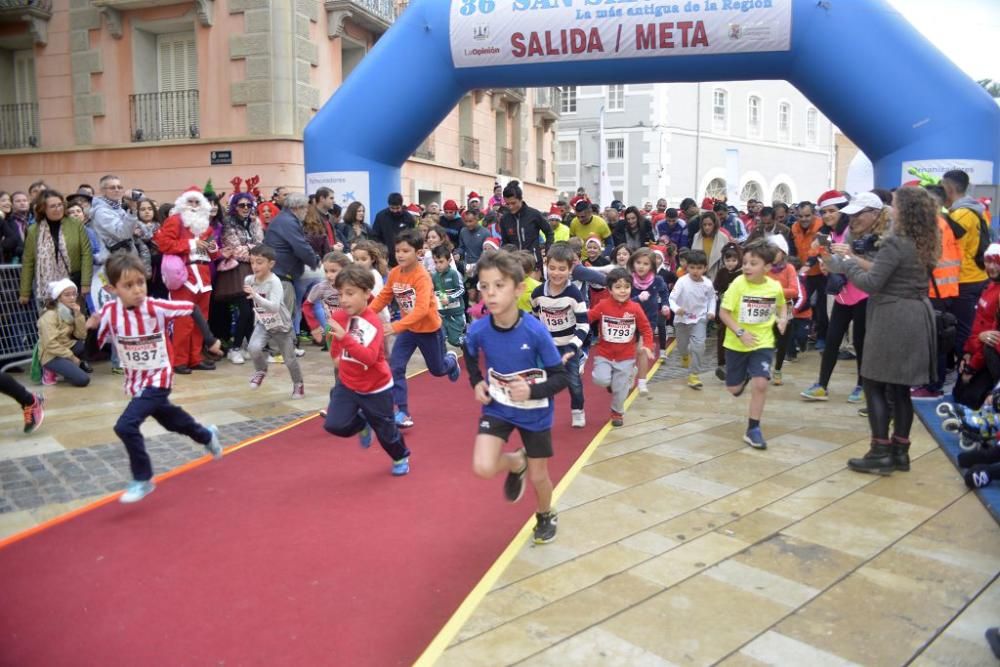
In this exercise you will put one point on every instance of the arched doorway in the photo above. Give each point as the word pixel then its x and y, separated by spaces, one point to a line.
pixel 716 188
pixel 752 190
pixel 438 50
pixel 782 193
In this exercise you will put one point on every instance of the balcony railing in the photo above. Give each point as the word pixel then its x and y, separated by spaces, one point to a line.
pixel 547 103
pixel 425 150
pixel 505 161
pixel 542 169
pixel 374 15
pixel 469 156
pixel 167 115
pixel 18 126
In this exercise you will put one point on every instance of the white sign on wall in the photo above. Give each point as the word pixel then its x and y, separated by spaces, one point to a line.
pixel 347 186
pixel 980 171
pixel 486 33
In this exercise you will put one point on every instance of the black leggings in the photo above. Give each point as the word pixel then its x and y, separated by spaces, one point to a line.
pixel 781 343
pixel 888 401
pixel 840 318
pixel 14 389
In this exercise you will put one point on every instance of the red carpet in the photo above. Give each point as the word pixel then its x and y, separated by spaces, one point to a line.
pixel 300 549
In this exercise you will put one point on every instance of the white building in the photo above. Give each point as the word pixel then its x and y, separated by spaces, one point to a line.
pixel 671 140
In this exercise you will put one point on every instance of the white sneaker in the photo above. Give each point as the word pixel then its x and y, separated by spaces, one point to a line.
pixel 298 391
pixel 579 419
pixel 299 352
pixel 236 356
pixel 136 491
pixel 643 389
pixel 663 355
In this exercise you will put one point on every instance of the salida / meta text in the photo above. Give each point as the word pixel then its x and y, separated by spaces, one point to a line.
pixel 576 41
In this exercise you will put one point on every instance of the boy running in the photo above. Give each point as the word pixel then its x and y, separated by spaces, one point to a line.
pixel 620 322
pixel 450 290
pixel 693 302
pixel 420 325
pixel 361 401
pixel 749 309
pixel 562 309
pixel 137 326
pixel 516 393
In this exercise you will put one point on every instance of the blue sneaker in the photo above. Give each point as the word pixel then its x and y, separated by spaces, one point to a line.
pixel 365 436
pixel 857 396
pixel 401 467
pixel 136 491
pixel 214 446
pixel 754 438
pixel 403 419
pixel 820 345
pixel 456 371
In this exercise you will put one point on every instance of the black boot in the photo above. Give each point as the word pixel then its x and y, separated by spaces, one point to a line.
pixel 901 453
pixel 879 459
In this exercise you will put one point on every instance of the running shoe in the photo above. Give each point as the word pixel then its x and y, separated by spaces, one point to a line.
pixel 275 359
pixel 579 419
pixel 298 391
pixel 815 393
pixel 820 345
pixel 214 446
pixel 401 467
pixel 299 352
pixel 136 491
pixel 694 381
pixel 617 419
pixel 863 412
pixel 34 414
pixel 754 438
pixel 403 419
pixel 925 394
pixel 257 379
pixel 857 396
pixel 643 388
pixel 545 527
pixel 49 378
pixel 456 371
pixel 365 436
pixel 236 356
pixel 117 370
pixel 513 486
pixel 720 372
pixel 776 378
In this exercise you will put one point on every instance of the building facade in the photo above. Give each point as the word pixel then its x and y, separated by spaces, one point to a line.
pixel 169 94
pixel 682 140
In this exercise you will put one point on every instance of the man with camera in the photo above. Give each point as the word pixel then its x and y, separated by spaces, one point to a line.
pixel 113 217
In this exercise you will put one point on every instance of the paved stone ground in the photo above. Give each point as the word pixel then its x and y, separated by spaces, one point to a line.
pixel 59 477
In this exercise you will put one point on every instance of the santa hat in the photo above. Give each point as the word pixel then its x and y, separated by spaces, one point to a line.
pixel 993 251
pixel 451 205
pixel 594 238
pixel 474 197
pixel 415 208
pixel 58 287
pixel 831 198
pixel 492 242
pixel 555 213
pixel 193 192
pixel 659 251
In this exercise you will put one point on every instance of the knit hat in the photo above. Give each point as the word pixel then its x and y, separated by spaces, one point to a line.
pixel 451 205
pixel 831 198
pixel 779 242
pixel 595 239
pixel 555 213
pixel 493 242
pixel 993 251
pixel 58 287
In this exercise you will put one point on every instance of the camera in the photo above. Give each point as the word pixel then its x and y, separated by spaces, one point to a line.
pixel 134 195
pixel 864 246
pixel 823 240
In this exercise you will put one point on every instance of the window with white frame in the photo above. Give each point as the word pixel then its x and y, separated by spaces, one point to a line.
pixel 616 98
pixel 616 149
pixel 567 151
pixel 812 127
pixel 784 121
pixel 177 84
pixel 567 103
pixel 753 116
pixel 720 101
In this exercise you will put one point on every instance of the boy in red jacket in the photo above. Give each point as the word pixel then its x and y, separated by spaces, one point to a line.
pixel 979 370
pixel 361 401
pixel 619 321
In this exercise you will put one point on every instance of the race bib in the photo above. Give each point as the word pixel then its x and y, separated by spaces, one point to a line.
pixel 360 330
pixel 143 353
pixel 405 295
pixel 267 319
pixel 756 309
pixel 557 320
pixel 618 329
pixel 499 387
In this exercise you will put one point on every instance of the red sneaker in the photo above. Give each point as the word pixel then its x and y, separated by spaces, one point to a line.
pixel 617 419
pixel 925 394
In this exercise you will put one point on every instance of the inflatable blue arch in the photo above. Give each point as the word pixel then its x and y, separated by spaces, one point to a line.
pixel 859 61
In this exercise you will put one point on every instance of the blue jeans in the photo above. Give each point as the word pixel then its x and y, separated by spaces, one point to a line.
pixel 302 285
pixel 154 402
pixel 70 371
pixel 431 346
pixel 573 374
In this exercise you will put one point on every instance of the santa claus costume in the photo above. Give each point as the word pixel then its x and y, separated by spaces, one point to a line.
pixel 187 234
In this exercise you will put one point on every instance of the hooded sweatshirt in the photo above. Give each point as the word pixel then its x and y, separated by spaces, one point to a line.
pixel 966 212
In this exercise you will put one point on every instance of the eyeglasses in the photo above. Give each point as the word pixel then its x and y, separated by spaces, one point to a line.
pixel 114 187
pixel 243 205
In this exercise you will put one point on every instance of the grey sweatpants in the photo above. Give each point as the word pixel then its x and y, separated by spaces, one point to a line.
pixel 283 340
pixel 691 340
pixel 618 375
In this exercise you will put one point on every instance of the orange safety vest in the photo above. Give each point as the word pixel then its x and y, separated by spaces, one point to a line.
pixel 949 267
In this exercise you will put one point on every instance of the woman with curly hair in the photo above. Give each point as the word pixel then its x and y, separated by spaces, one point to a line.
pixel 901 335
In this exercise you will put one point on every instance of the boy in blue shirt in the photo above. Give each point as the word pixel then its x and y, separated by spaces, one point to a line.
pixel 524 371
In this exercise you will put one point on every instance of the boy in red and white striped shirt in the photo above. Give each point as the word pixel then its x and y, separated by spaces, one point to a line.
pixel 137 327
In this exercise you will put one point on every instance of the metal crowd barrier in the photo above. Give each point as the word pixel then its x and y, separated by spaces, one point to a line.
pixel 18 324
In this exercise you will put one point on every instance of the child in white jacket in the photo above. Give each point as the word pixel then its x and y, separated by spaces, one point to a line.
pixel 693 302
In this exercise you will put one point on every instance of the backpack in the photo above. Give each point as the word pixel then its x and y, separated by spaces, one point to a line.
pixel 984 236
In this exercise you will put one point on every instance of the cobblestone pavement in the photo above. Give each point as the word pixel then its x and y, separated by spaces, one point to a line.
pixel 59 477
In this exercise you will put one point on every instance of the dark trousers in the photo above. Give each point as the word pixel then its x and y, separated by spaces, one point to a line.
pixel 244 323
pixel 888 401
pixel 349 412
pixel 11 387
pixel 964 309
pixel 943 361
pixel 781 343
pixel 154 402
pixel 431 346
pixel 816 295
pixel 840 319
pixel 975 391
pixel 573 374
